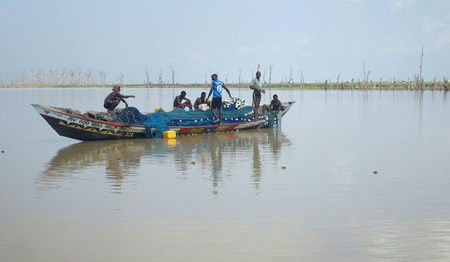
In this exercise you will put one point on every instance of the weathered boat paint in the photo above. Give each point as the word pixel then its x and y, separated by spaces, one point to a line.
pixel 72 124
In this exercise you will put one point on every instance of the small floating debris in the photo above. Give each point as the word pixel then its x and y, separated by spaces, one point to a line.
pixel 283 167
pixel 375 172
pixel 193 163
pixel 3 151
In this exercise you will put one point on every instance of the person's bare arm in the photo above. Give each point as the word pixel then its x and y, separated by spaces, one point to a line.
pixel 179 100
pixel 196 103
pixel 210 92
pixel 122 98
pixel 124 101
pixel 228 91
pixel 256 89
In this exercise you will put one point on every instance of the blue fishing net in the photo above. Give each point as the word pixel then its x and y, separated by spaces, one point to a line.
pixel 235 112
pixel 129 116
pixel 132 116
pixel 181 117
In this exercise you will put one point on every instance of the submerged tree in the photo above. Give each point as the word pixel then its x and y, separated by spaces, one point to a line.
pixel 172 69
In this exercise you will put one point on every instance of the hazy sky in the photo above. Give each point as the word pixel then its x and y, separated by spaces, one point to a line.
pixel 321 38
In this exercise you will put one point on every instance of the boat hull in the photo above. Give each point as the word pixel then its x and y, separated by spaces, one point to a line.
pixel 72 124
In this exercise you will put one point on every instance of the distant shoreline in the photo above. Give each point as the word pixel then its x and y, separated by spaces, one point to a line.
pixel 371 85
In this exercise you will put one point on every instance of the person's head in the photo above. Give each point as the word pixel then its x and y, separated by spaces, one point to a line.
pixel 275 97
pixel 214 77
pixel 116 88
pixel 258 74
pixel 183 94
pixel 203 94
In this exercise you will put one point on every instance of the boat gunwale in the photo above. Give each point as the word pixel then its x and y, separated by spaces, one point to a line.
pixel 77 115
pixel 84 117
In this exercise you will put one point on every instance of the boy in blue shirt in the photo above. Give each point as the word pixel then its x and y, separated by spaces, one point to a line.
pixel 216 89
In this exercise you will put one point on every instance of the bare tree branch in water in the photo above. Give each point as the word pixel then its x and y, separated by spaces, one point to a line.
pixel 420 75
pixel 264 75
pixel 366 77
pixel 239 75
pixel 338 79
pixel 120 79
pixel 270 73
pixel 302 79
pixel 172 69
pixel 291 79
pixel 147 80
pixel 160 81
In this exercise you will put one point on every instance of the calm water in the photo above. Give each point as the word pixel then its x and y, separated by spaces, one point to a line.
pixel 226 197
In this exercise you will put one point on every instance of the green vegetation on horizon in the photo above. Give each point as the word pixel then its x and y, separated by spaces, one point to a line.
pixel 394 85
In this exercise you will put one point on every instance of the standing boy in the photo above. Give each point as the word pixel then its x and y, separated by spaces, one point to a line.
pixel 256 85
pixel 216 89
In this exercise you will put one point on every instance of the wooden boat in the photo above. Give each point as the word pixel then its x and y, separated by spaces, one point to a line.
pixel 72 123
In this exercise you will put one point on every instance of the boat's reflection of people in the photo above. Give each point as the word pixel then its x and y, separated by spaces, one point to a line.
pixel 256 177
pixel 275 139
pixel 215 150
pixel 120 159
pixel 206 149
pixel 114 174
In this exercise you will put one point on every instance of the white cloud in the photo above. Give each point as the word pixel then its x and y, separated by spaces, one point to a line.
pixel 443 40
pixel 303 41
pixel 245 50
pixel 429 26
pixel 275 48
pixel 386 50
pixel 437 29
pixel 346 1
pixel 196 57
pixel 398 5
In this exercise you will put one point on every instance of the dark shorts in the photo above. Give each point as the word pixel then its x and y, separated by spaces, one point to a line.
pixel 216 102
pixel 107 105
pixel 256 97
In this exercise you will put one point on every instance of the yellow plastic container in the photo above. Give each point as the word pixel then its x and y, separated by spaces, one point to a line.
pixel 158 108
pixel 169 134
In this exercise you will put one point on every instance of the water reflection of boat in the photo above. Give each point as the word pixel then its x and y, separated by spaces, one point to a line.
pixel 92 125
pixel 120 160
